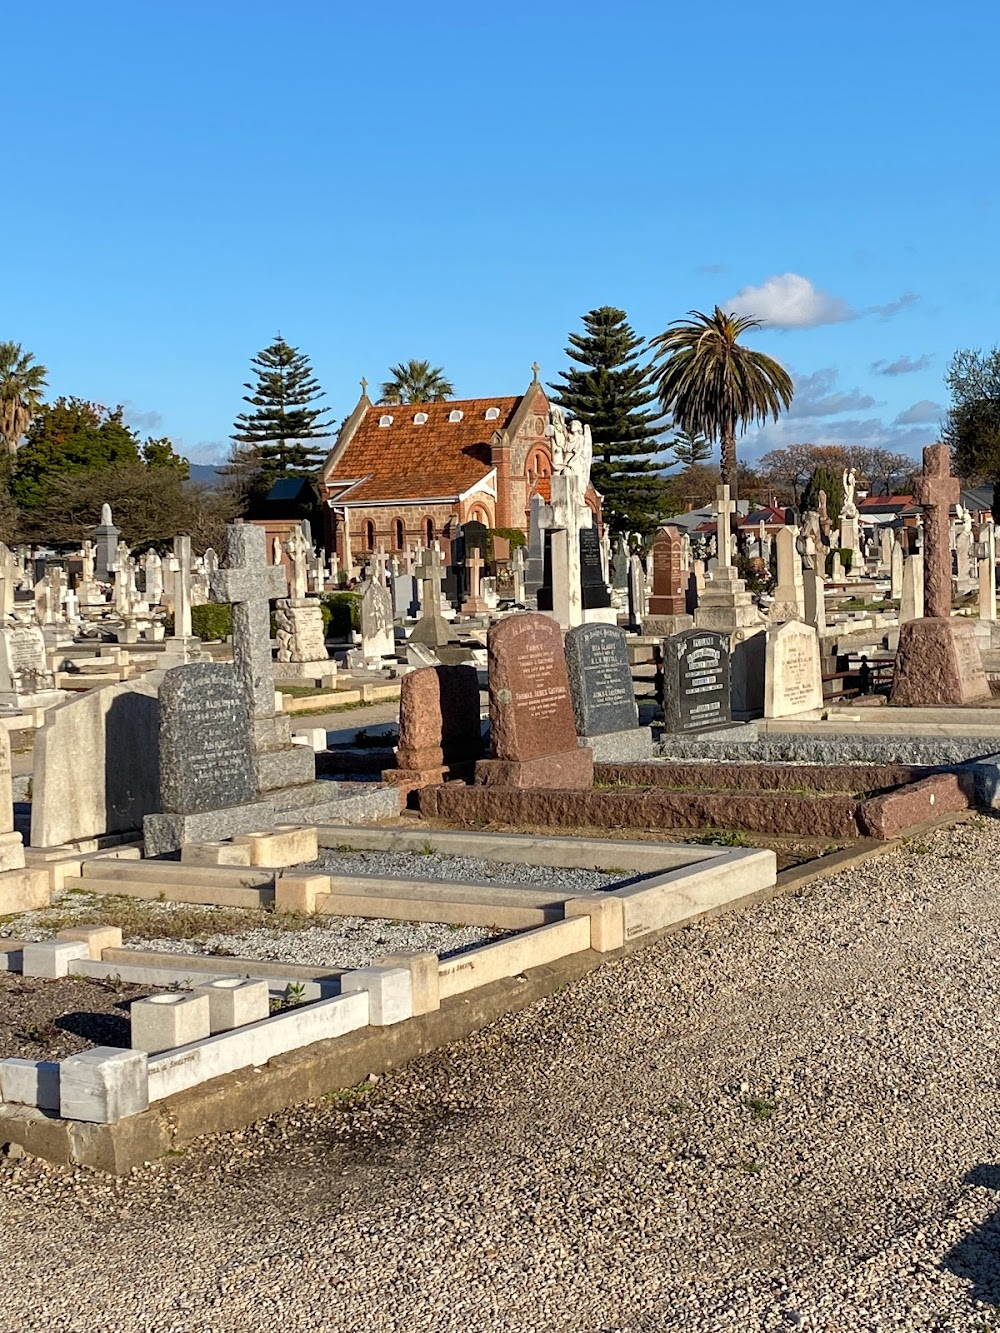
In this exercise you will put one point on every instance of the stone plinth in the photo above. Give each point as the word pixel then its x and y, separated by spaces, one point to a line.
pixel 572 770
pixel 724 603
pixel 938 662
pixel 662 627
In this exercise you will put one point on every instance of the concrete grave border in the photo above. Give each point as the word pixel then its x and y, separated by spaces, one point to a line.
pixel 371 1008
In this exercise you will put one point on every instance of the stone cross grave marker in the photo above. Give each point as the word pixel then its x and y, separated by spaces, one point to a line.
pixel 936 490
pixel 206 759
pixel 696 681
pixel 432 628
pixel 181 566
pixel 724 508
pixel 600 680
pixel 250 584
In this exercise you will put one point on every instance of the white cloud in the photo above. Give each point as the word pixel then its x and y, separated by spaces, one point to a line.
pixel 904 365
pixel 923 413
pixel 141 421
pixel 790 301
pixel 205 451
pixel 816 396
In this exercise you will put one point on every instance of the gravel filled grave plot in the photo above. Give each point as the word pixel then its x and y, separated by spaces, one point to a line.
pixel 325 942
pixel 48 1020
pixel 783 1118
pixel 467 869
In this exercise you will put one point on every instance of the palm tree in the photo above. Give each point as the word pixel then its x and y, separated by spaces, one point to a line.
pixel 21 386
pixel 711 385
pixel 417 382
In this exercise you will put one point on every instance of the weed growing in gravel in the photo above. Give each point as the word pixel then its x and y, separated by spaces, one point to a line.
pixel 40 1033
pixel 752 1168
pixel 759 1109
pixel 349 1097
pixel 426 849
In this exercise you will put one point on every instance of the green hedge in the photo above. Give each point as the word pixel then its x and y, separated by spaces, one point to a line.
pixel 212 620
pixel 341 614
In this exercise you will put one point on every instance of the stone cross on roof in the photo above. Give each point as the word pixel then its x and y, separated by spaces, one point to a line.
pixel 251 584
pixel 937 490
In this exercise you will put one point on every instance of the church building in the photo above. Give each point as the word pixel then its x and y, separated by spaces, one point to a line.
pixel 405 473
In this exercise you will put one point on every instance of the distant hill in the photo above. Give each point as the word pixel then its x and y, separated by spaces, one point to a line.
pixel 209 474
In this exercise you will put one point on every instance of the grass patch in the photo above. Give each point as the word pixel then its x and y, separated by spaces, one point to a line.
pixel 759 1108
pixel 722 837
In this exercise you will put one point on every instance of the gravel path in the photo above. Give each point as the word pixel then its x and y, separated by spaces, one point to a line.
pixel 783 1119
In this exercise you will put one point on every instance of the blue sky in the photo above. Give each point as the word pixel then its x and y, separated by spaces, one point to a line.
pixel 462 182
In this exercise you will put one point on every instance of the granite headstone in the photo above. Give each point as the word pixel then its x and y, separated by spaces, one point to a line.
pixel 206 754
pixel 696 680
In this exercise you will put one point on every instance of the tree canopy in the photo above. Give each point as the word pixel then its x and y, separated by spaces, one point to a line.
pixel 972 430
pixel 711 384
pixel 610 389
pixel 21 386
pixel 416 381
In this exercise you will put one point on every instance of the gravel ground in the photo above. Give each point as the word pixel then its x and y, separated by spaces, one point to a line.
pixel 48 1020
pixel 786 1118
pixel 465 869
pixel 350 941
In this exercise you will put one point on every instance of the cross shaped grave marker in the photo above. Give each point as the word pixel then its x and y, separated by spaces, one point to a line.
pixel 251 584
pixel 724 537
pixel 936 491
pixel 180 565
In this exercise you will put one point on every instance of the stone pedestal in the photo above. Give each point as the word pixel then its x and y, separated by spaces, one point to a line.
pixel 634 746
pixel 301 642
pixel 661 627
pixel 724 602
pixel 938 662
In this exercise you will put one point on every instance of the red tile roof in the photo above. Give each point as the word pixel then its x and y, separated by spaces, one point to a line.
pixel 404 461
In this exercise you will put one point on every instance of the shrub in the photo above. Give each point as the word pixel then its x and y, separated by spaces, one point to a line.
pixel 212 620
pixel 341 614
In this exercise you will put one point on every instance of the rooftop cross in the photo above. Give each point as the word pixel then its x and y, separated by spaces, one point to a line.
pixel 251 584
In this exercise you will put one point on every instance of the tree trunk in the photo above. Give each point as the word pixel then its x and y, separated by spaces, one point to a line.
pixel 728 469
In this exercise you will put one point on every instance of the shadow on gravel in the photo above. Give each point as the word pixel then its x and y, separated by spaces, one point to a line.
pixel 976 1259
pixel 99 1029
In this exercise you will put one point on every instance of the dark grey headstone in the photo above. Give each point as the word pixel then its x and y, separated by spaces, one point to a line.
pixel 600 680
pixel 206 756
pixel 593 588
pixel 696 691
pixel 619 562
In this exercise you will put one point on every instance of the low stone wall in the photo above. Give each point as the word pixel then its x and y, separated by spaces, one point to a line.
pixel 944 793
pixel 794 814
pixel 631 808
pixel 759 777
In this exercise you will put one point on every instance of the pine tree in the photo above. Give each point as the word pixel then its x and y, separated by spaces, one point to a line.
pixel 274 438
pixel 609 390
pixel 690 449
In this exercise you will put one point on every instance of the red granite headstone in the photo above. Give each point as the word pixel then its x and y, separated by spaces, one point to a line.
pixel 439 729
pixel 532 726
pixel 668 596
